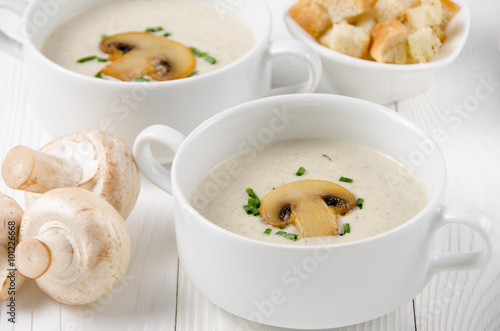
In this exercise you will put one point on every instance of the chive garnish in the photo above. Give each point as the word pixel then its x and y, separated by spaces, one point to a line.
pixel 85 59
pixel 194 73
pixel 158 28
pixel 210 59
pixel 324 155
pixel 103 36
pixel 291 236
pixel 90 58
pixel 345 179
pixel 167 34
pixel 347 228
pixel 98 76
pixel 141 79
pixel 267 231
pixel 253 204
pixel 205 55
pixel 301 171
pixel 197 52
pixel 359 203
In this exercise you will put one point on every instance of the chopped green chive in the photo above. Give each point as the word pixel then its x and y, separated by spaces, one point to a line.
pixel 98 76
pixel 205 55
pixel 291 236
pixel 141 79
pixel 324 155
pixel 194 73
pixel 253 204
pixel 359 203
pixel 158 28
pixel 197 52
pixel 103 36
pixel 85 59
pixel 267 231
pixel 251 210
pixel 90 58
pixel 301 171
pixel 345 179
pixel 210 59
pixel 167 34
pixel 251 193
pixel 347 228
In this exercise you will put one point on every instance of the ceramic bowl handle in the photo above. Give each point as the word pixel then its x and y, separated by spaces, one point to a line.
pixel 12 40
pixel 481 224
pixel 304 53
pixel 147 163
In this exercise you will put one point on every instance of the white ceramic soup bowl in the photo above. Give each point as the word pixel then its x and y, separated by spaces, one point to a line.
pixel 308 287
pixel 64 101
pixel 382 82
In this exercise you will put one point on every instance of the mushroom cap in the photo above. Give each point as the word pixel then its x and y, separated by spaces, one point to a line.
pixel 109 169
pixel 98 241
pixel 311 205
pixel 10 218
pixel 137 54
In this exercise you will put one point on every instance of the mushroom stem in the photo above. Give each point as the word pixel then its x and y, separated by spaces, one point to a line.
pixel 34 256
pixel 37 172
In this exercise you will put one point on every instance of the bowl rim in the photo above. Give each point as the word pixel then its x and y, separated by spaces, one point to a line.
pixel 330 55
pixel 182 201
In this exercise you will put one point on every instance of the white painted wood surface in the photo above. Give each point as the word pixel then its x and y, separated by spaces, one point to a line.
pixel 155 295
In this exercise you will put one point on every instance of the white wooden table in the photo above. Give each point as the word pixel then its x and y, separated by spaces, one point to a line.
pixel 155 294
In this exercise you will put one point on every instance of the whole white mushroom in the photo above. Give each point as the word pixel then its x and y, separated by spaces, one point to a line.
pixel 74 244
pixel 94 160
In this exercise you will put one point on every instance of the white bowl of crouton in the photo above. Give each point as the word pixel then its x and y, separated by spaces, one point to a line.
pixel 380 50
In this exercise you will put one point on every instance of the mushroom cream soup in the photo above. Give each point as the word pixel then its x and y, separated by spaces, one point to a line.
pixel 215 37
pixel 386 193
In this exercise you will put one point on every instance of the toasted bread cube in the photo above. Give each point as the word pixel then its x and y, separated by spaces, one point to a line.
pixel 386 10
pixel 429 13
pixel 390 39
pixel 310 16
pixel 347 39
pixel 340 10
pixel 423 44
pixel 365 20
pixel 449 10
pixel 438 31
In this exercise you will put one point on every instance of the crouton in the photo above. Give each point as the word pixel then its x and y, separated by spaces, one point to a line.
pixel 347 39
pixel 310 16
pixel 365 20
pixel 390 39
pixel 385 10
pixel 449 10
pixel 340 10
pixel 423 44
pixel 429 13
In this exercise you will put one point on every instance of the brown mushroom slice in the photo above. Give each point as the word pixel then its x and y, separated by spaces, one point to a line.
pixel 74 244
pixel 137 54
pixel 94 160
pixel 10 218
pixel 311 205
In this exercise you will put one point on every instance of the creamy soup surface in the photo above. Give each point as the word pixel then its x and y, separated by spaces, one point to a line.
pixel 392 195
pixel 189 22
